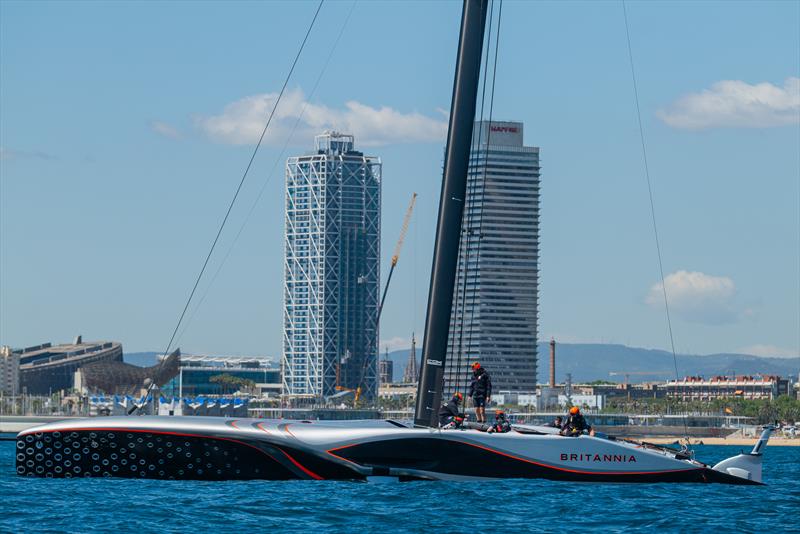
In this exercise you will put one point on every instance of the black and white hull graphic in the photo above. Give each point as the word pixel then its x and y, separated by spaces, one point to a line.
pixel 239 449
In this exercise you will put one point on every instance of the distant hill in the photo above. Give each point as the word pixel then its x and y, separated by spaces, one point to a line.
pixel 587 362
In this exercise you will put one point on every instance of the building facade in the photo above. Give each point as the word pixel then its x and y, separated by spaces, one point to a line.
pixel 331 270
pixel 9 371
pixel 203 375
pixel 696 388
pixel 47 368
pixel 386 371
pixel 495 303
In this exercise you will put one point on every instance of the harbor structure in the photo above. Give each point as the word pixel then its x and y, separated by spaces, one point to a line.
pixel 494 316
pixel 9 371
pixel 331 270
pixel 48 368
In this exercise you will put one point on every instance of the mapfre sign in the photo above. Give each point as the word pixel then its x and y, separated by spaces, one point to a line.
pixel 505 129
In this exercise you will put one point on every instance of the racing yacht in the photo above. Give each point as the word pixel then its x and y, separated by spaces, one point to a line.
pixel 213 448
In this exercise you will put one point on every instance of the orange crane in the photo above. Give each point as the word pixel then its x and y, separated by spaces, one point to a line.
pixel 397 247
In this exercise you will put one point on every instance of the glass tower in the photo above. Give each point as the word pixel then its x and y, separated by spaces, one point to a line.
pixel 331 270
pixel 496 298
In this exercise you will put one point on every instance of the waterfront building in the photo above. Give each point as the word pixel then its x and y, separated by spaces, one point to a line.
pixel 331 270
pixel 9 371
pixel 696 388
pixel 495 302
pixel 203 375
pixel 48 368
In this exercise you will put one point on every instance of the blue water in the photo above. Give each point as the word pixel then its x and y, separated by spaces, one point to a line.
pixel 121 505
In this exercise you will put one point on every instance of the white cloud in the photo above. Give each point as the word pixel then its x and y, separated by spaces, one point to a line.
pixel 242 121
pixel 697 297
pixel 167 130
pixel 734 103
pixel 769 350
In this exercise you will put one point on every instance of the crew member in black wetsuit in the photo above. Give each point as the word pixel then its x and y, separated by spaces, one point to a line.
pixel 449 414
pixel 480 391
pixel 575 424
pixel 501 424
pixel 558 422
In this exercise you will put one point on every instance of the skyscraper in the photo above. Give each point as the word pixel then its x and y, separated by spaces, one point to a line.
pixel 496 298
pixel 331 269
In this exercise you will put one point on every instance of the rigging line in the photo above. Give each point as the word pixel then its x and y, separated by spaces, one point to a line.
pixel 652 205
pixel 241 183
pixel 485 170
pixel 470 203
pixel 270 175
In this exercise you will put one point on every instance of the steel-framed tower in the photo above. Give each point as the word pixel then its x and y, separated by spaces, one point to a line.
pixel 331 270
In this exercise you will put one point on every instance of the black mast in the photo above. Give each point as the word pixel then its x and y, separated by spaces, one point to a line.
pixel 451 208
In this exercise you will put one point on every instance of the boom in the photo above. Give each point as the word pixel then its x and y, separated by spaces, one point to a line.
pixel 397 247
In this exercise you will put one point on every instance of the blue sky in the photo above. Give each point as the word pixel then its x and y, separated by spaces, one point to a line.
pixel 125 127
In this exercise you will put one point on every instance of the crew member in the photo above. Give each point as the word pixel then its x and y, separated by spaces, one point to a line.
pixel 558 422
pixel 501 424
pixel 449 414
pixel 575 424
pixel 480 390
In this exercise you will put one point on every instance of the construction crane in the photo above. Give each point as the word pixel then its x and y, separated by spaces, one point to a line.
pixel 636 373
pixel 397 247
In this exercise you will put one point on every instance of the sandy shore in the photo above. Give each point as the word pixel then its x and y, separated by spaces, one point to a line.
pixel 773 441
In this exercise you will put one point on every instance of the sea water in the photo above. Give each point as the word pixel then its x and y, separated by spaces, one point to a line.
pixel 132 505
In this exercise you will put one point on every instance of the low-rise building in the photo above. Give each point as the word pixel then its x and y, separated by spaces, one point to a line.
pixel 696 388
pixel 593 402
pixel 197 373
pixel 48 368
pixel 397 390
pixel 516 398
pixel 646 390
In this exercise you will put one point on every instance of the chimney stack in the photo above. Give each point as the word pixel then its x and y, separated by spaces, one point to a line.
pixel 552 362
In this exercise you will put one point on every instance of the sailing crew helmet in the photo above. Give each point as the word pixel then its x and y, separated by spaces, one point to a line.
pixel 458 397
pixel 574 410
pixel 499 413
pixel 476 366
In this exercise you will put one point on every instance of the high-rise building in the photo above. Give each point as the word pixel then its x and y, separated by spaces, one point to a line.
pixel 331 270
pixel 496 298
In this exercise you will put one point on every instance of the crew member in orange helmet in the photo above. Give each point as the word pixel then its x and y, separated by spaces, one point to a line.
pixel 480 391
pixel 575 425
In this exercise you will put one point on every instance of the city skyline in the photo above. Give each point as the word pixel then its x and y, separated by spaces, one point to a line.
pixel 128 152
